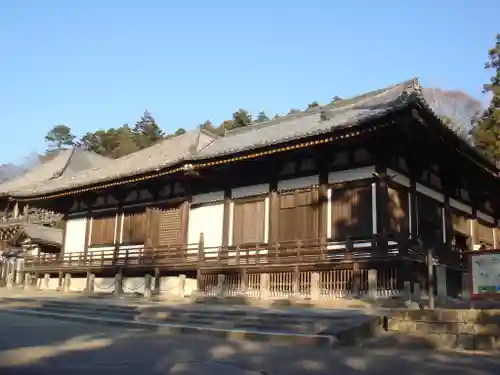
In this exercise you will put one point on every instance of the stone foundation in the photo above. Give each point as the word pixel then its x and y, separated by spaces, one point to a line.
pixel 465 329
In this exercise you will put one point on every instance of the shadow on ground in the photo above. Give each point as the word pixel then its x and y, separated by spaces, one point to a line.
pixel 31 345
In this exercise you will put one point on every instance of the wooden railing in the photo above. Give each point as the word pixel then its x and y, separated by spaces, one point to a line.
pixel 196 256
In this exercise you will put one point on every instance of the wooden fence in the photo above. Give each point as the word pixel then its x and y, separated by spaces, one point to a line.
pixel 337 283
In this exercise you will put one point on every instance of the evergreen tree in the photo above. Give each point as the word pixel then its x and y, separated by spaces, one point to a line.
pixel 261 117
pixel 60 137
pixel 487 133
pixel 146 131
pixel 241 118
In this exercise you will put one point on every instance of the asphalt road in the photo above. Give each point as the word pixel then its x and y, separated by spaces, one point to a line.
pixel 30 345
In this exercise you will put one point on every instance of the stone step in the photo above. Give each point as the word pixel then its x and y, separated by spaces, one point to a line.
pixel 282 323
pixel 244 324
pixel 179 312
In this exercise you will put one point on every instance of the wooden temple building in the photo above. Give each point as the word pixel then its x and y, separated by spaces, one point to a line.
pixel 368 183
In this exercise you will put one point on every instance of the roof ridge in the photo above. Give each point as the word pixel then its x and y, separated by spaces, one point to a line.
pixel 410 83
pixel 65 166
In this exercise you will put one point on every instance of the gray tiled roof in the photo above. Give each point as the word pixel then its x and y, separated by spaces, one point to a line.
pixel 64 163
pixel 309 123
pixel 40 233
pixel 157 157
pixel 199 145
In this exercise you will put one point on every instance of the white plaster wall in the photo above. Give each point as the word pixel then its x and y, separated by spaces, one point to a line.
pixel 169 286
pixel 53 283
pixel 190 286
pixel 103 285
pixel 134 285
pixel 78 284
pixel 207 219
pixel 74 240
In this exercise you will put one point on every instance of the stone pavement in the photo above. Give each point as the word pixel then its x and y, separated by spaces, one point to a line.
pixel 31 345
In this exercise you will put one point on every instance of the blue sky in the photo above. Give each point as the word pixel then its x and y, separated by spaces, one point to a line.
pixel 98 64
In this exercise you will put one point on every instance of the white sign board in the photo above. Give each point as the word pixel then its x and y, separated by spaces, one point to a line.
pixel 485 269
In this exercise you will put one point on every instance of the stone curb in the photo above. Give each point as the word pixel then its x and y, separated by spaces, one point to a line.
pixel 241 335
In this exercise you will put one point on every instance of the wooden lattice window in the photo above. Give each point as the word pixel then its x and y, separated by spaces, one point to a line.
pixel 352 213
pixel 166 226
pixel 298 216
pixel 134 227
pixel 103 230
pixel 249 221
pixel 398 209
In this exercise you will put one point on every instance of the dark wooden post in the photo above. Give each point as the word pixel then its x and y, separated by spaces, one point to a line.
pixel 355 281
pixel 61 280
pixel 404 273
pixel 382 204
pixel 119 282
pixel 430 276
pixel 226 220
pixel 413 210
pixel 157 281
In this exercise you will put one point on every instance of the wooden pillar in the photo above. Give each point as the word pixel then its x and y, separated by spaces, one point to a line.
pixel 273 215
pixel 226 218
pixel 381 204
pixel 413 203
pixel 201 256
pixel 323 205
pixel 447 230
pixel 296 280
pixel 404 272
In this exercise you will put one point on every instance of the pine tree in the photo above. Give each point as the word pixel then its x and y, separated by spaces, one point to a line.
pixel 487 133
pixel 59 137
pixel 261 117
pixel 241 118
pixel 146 131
